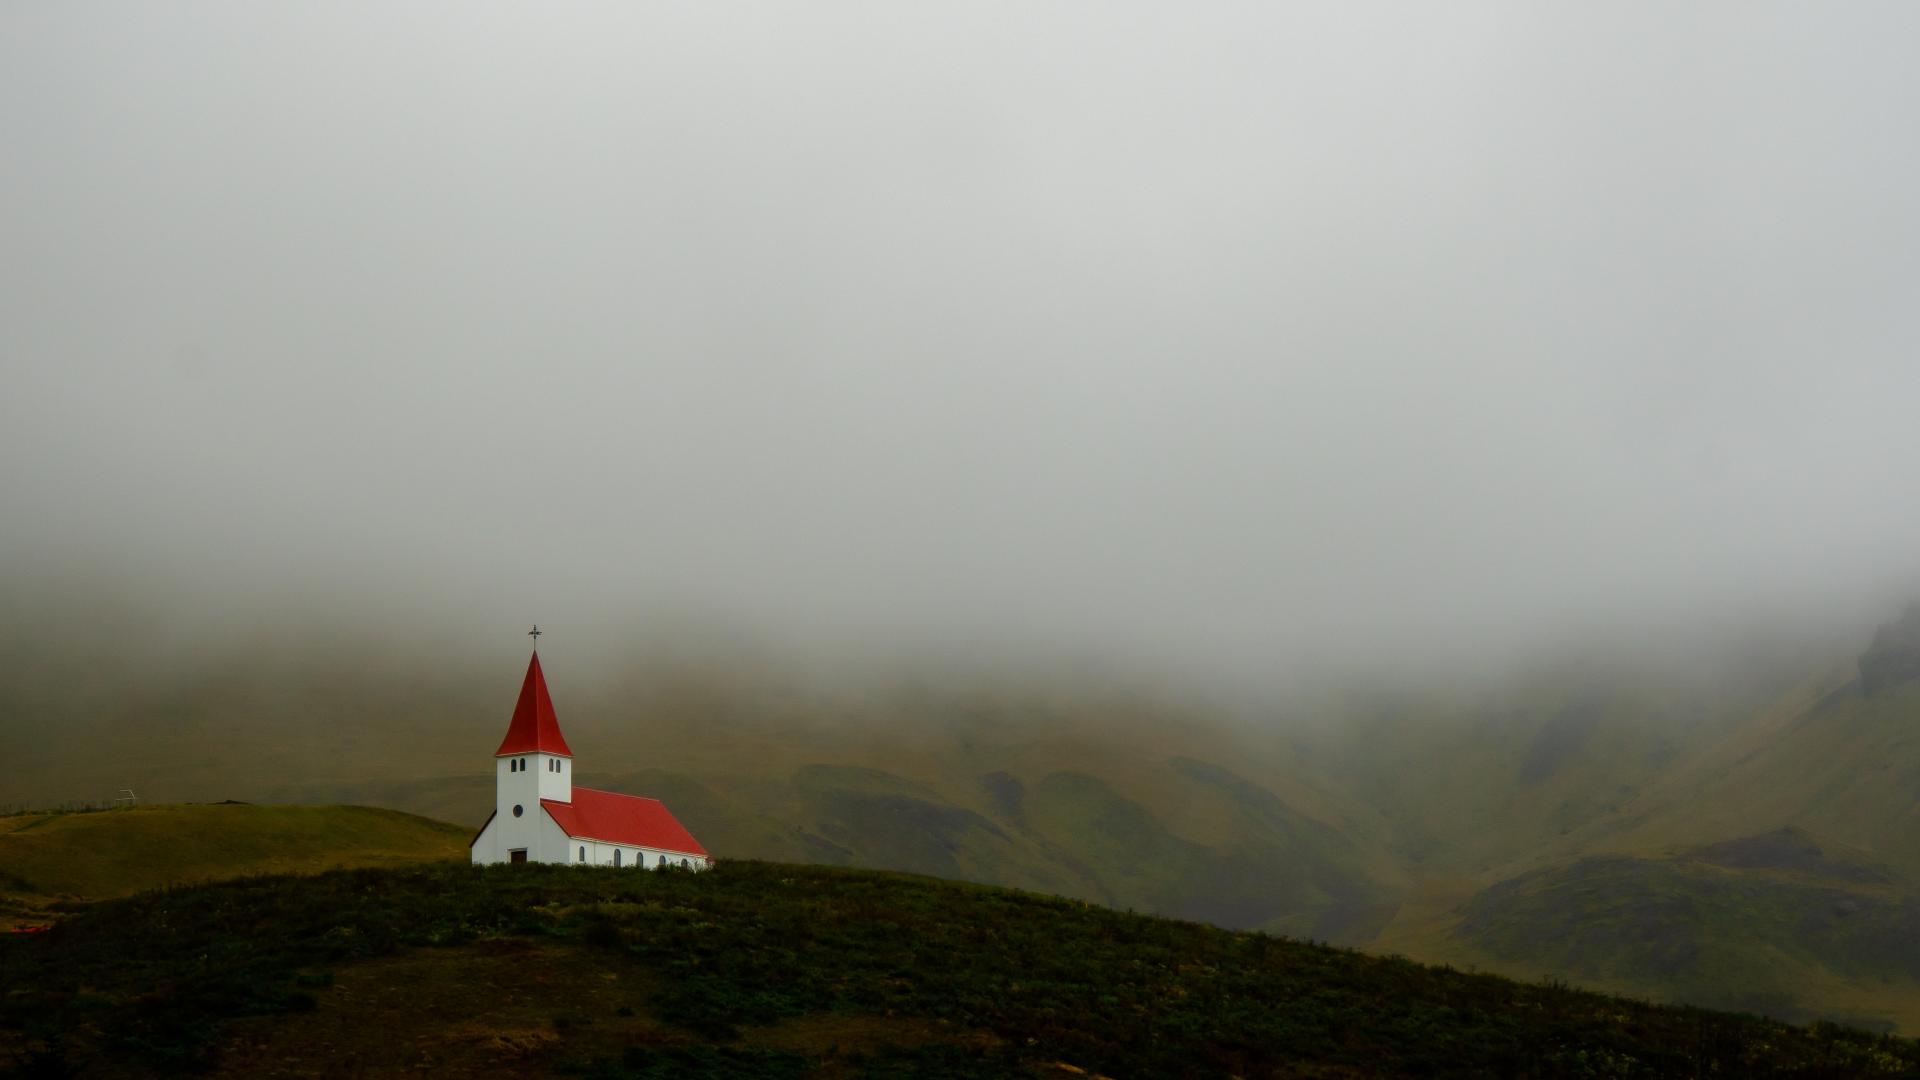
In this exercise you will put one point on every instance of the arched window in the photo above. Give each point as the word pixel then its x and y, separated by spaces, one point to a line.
pixel 616 856
pixel 663 860
pixel 685 865
pixel 583 853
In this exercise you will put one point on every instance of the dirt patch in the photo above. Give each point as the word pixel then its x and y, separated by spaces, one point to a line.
pixel 514 1008
pixel 504 1008
pixel 831 1035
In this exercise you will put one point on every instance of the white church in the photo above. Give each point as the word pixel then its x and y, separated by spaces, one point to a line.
pixel 539 816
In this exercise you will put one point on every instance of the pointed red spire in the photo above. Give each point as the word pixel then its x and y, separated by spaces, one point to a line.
pixel 535 729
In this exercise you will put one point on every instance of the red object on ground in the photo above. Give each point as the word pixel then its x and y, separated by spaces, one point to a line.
pixel 28 929
pixel 535 728
pixel 622 819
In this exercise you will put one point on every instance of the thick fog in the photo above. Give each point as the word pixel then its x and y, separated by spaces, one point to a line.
pixel 1239 337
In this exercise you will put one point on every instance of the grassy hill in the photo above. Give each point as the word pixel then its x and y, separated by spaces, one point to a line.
pixel 47 857
pixel 762 969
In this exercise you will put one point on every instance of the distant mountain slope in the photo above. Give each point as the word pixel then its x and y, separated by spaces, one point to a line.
pixel 1772 867
pixel 1767 924
pixel 1844 765
pixel 1486 783
pixel 770 970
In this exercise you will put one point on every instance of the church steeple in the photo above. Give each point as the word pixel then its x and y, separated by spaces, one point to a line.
pixel 535 729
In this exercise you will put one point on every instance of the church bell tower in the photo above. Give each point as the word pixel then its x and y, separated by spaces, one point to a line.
pixel 532 763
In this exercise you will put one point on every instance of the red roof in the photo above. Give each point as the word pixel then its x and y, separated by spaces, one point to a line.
pixel 535 729
pixel 621 819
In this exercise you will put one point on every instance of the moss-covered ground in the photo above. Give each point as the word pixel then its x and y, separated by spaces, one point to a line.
pixel 766 969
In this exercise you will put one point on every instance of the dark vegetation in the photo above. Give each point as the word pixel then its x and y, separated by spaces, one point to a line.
pixel 1791 850
pixel 988 982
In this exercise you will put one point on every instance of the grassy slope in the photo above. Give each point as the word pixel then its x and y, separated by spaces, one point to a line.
pixel 114 853
pixel 1484 785
pixel 777 970
pixel 1752 937
pixel 1822 758
pixel 1843 766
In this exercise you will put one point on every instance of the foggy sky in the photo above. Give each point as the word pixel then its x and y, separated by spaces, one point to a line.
pixel 1249 335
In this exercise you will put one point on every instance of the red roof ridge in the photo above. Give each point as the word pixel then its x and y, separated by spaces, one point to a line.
pixel 535 728
pixel 578 790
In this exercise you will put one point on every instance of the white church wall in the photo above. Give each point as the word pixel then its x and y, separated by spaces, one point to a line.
pixel 484 850
pixel 601 854
pixel 553 776
pixel 549 843
pixel 552 842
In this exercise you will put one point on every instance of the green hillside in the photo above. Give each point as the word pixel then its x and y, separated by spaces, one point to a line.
pixel 761 969
pixel 49 856
pixel 1845 766
pixel 1750 925
pixel 1763 857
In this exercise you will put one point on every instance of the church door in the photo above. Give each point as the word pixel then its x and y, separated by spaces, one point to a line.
pixel 518 855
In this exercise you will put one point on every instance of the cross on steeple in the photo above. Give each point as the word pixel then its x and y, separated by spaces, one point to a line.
pixel 535 635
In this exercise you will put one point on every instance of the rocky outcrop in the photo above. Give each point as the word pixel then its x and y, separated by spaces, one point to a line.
pixel 1894 656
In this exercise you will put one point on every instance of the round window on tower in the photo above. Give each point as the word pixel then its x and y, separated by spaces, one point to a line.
pixel 516 811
